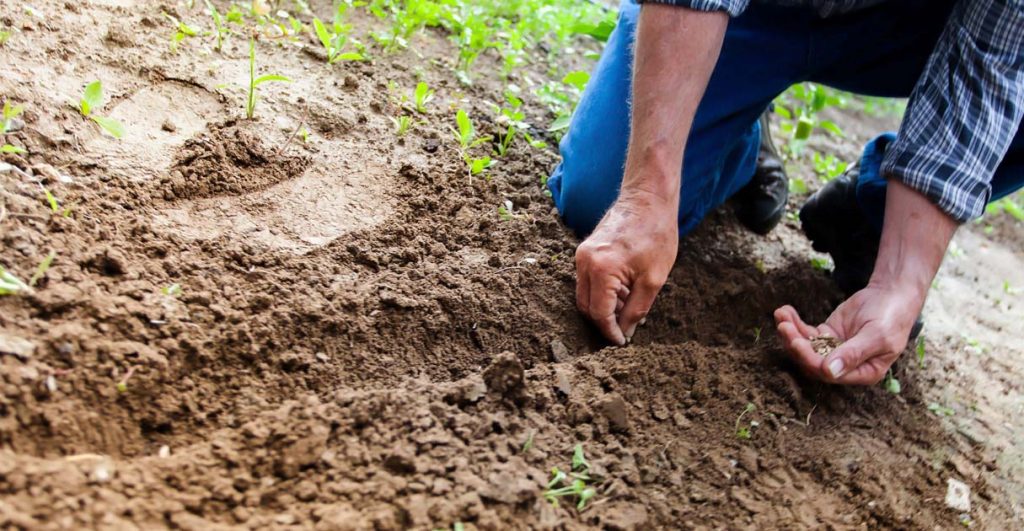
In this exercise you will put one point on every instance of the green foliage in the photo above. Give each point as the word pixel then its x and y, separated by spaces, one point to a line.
pixel 250 106
pixel 402 124
pixel 468 139
pixel 821 264
pixel 4 37
pixel 92 100
pixel 9 114
pixel 335 37
pixel 181 32
pixel 173 290
pixel 10 284
pixel 828 167
pixel 919 351
pixel 528 445
pixel 422 96
pixel 941 410
pixel 575 484
pixel 41 269
pixel 743 431
pixel 799 107
pixel 891 384
pixel 1008 205
pixel 220 29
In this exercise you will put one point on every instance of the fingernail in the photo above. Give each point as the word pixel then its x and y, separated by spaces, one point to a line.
pixel 630 332
pixel 835 368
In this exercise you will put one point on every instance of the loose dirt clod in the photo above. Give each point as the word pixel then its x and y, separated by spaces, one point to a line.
pixel 824 345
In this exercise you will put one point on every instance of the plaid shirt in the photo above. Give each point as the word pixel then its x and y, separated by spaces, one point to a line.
pixel 965 109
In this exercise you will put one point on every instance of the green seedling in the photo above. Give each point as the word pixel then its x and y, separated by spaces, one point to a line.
pixel 41 269
pixel 512 116
pixel 9 114
pixel 529 442
pixel 422 96
pixel 122 384
pixel 335 37
pixel 505 211
pixel 743 431
pixel 919 351
pixel 4 37
pixel 829 167
pixel 941 410
pixel 468 139
pixel 181 32
pixel 891 384
pixel 574 484
pixel 1008 289
pixel 402 124
pixel 92 100
pixel 10 284
pixel 821 264
pixel 173 290
pixel 54 205
pixel 220 30
pixel 757 334
pixel 798 186
pixel 250 106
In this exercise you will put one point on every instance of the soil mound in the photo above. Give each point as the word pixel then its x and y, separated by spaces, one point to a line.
pixel 232 159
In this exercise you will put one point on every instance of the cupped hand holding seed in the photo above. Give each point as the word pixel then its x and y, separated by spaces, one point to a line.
pixel 871 329
pixel 624 263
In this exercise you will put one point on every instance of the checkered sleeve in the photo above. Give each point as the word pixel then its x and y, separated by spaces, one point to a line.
pixel 965 109
pixel 732 7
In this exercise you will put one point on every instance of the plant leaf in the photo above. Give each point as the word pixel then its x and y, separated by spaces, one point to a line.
pixel 92 98
pixel 8 148
pixel 270 77
pixel 323 35
pixel 831 127
pixel 349 56
pixel 110 125
pixel 577 79
pixel 42 268
pixel 562 122
pixel 466 132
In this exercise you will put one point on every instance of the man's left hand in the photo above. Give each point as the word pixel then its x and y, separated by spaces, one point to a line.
pixel 873 326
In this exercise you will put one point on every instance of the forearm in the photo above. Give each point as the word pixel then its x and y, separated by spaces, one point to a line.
pixel 915 236
pixel 675 53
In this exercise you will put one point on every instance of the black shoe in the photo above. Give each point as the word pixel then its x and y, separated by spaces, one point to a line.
pixel 833 221
pixel 761 204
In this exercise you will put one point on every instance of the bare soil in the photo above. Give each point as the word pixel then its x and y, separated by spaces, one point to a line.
pixel 361 342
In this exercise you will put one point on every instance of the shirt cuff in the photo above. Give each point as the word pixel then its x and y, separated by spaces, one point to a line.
pixel 957 193
pixel 732 7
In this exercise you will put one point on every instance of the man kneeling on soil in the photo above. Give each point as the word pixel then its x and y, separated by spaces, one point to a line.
pixel 698 74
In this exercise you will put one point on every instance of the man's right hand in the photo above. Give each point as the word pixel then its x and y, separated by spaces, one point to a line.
pixel 624 263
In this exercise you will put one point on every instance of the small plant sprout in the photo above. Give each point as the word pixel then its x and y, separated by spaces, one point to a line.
pixel 182 31
pixel 335 37
pixel 10 113
pixel 422 96
pixel 173 290
pixel 505 211
pixel 220 30
pixel 757 334
pixel 919 351
pixel 250 106
pixel 574 484
pixel 466 135
pixel 54 205
pixel 10 284
pixel 941 410
pixel 402 124
pixel 122 384
pixel 92 99
pixel 821 264
pixel 891 384
pixel 528 445
pixel 41 269
pixel 743 431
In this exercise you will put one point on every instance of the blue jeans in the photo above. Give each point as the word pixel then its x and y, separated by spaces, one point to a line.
pixel 879 51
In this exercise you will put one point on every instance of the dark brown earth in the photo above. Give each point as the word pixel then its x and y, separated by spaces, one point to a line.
pixel 362 342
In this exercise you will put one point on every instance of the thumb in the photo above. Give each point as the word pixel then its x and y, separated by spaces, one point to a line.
pixel 639 302
pixel 847 364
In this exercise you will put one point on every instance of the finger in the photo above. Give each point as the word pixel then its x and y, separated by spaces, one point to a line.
pixel 799 348
pixel 638 304
pixel 789 313
pixel 603 299
pixel 847 364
